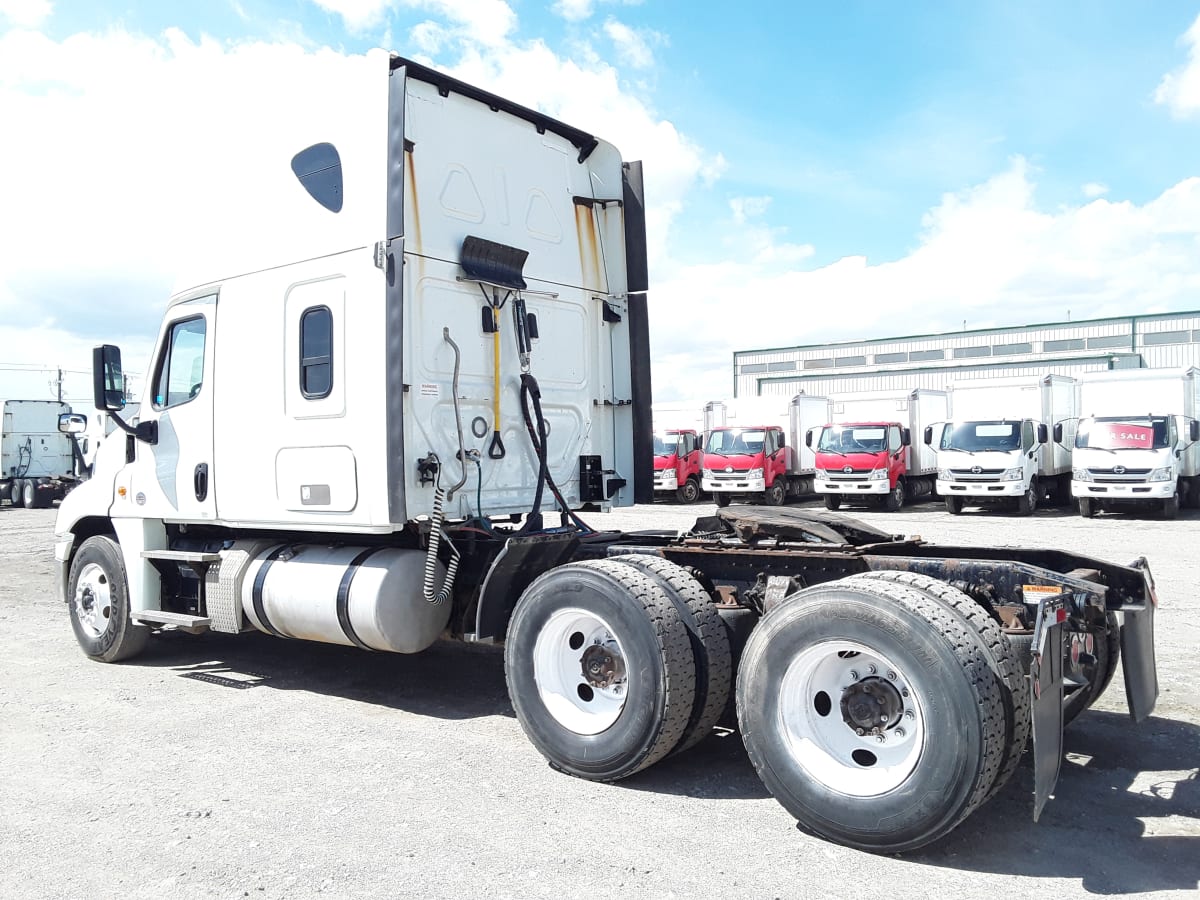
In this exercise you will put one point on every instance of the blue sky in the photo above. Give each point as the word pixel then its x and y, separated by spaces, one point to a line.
pixel 914 165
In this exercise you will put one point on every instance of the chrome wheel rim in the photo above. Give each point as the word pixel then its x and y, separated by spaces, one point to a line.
pixel 579 668
pixel 93 600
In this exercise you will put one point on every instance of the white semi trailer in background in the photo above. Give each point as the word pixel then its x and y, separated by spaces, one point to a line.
pixel 38 463
pixel 386 483
pixel 996 448
pixel 1136 443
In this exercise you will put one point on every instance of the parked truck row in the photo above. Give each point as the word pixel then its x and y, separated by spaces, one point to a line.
pixel 39 461
pixel 389 484
pixel 1009 443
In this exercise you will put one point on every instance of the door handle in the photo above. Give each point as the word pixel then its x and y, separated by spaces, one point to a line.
pixel 200 479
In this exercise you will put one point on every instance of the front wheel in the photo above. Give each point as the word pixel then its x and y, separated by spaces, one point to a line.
pixel 98 599
pixel 1087 508
pixel 833 501
pixel 895 497
pixel 774 495
pixel 600 669
pixel 688 492
pixel 1170 506
pixel 722 498
pixel 954 505
pixel 871 714
pixel 1027 502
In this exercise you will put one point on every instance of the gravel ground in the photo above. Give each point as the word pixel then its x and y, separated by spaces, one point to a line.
pixel 246 766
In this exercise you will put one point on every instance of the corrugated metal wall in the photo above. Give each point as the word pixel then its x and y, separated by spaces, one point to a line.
pixel 932 361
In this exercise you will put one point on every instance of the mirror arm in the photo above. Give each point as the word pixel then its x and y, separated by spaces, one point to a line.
pixel 146 432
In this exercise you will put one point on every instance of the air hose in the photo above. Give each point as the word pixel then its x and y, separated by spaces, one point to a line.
pixel 438 518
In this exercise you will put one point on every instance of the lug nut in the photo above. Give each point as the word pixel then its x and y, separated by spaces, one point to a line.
pixel 871 669
pixel 860 731
pixel 891 676
pixel 853 675
pixel 899 732
pixel 882 739
pixel 908 714
pixel 904 692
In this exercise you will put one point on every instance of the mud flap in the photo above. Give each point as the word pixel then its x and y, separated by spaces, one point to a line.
pixel 1046 698
pixel 1137 650
pixel 520 561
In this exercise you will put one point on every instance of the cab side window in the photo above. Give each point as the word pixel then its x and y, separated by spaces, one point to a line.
pixel 180 373
pixel 316 352
pixel 893 439
pixel 1027 436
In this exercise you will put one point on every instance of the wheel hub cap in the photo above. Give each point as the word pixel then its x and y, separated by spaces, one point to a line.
pixel 871 706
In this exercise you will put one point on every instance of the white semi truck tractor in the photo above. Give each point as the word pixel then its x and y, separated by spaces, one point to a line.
pixel 1135 445
pixel 450 366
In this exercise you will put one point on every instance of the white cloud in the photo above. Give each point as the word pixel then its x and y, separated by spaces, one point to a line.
pixel 573 10
pixel 988 254
pixel 745 208
pixel 632 45
pixel 357 15
pixel 1094 189
pixel 1180 90
pixel 26 13
pixel 487 22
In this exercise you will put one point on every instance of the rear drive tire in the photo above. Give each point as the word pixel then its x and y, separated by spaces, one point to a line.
pixel 599 669
pixel 98 602
pixel 774 495
pixel 833 501
pixel 1005 661
pixel 1098 676
pixel 806 684
pixel 954 505
pixel 710 644
pixel 689 491
pixel 14 492
pixel 29 493
pixel 895 497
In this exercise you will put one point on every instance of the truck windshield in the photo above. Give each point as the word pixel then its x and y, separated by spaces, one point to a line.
pixel 853 439
pixel 974 437
pixel 735 441
pixel 664 444
pixel 1118 433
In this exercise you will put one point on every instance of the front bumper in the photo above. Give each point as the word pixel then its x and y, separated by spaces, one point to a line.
pixel 1134 490
pixel 980 488
pixel 852 487
pixel 666 481
pixel 718 485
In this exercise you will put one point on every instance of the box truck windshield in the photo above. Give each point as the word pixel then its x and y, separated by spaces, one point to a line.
pixel 978 437
pixel 853 439
pixel 735 442
pixel 1113 433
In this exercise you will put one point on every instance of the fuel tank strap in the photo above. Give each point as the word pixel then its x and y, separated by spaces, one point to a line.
pixel 343 597
pixel 257 593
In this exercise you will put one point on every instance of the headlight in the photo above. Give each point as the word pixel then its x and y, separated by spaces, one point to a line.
pixel 706 473
pixel 945 475
pixel 821 473
pixel 879 474
pixel 1014 474
pixel 1163 474
pixel 754 473
pixel 1081 474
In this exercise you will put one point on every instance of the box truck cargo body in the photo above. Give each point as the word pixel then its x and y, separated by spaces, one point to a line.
pixel 1136 441
pixel 38 464
pixel 996 448
pixel 866 452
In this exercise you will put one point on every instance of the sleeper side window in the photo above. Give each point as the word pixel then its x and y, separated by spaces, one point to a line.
pixel 316 352
pixel 180 372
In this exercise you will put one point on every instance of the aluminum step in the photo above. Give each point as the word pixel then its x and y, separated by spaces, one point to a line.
pixel 182 621
pixel 183 556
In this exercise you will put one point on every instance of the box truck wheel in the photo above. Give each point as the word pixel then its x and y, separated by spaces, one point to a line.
pixel 98 599
pixel 1170 506
pixel 871 713
pixel 775 494
pixel 599 669
pixel 895 497
pixel 710 643
pixel 954 505
pixel 833 501
pixel 1087 507
pixel 1027 502
pixel 1005 662
pixel 689 491
pixel 722 497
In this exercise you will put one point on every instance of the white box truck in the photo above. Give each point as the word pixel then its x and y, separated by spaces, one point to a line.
pixel 996 450
pixel 754 448
pixel 866 452
pixel 38 463
pixel 385 482
pixel 1136 441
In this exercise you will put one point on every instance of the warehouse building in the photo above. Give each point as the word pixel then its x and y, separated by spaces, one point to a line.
pixel 1164 340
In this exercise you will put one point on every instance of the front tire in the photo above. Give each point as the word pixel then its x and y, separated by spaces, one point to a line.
pixel 833 501
pixel 1170 506
pixel 98 600
pixel 819 667
pixel 774 495
pixel 895 497
pixel 954 505
pixel 1087 508
pixel 600 669
pixel 1027 502
pixel 689 491
pixel 722 498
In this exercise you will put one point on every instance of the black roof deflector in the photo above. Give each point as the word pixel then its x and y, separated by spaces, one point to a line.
pixel 583 142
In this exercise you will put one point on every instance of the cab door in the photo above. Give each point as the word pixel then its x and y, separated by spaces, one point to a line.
pixel 775 456
pixel 173 479
pixel 897 460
